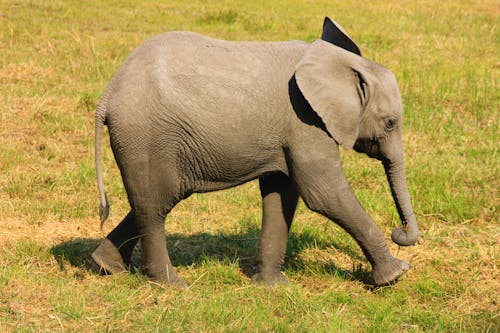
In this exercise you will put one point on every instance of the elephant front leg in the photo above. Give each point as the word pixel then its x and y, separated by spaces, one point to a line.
pixel 279 200
pixel 321 183
pixel 334 199
pixel 113 255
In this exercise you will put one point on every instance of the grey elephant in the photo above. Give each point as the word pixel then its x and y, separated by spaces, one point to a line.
pixel 190 114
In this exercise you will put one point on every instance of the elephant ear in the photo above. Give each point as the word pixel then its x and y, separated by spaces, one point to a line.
pixel 335 34
pixel 335 91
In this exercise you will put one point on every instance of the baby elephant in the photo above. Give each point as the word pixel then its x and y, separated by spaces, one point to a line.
pixel 189 114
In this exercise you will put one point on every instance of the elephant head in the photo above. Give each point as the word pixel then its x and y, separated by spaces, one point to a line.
pixel 360 106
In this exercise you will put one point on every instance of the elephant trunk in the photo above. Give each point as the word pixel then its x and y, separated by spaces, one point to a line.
pixel 408 234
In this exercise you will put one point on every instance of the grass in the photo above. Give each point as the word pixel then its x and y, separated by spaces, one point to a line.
pixel 57 57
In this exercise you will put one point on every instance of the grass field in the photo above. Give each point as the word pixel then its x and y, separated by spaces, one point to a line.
pixel 56 58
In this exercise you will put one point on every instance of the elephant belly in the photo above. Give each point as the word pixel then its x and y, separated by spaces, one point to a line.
pixel 228 165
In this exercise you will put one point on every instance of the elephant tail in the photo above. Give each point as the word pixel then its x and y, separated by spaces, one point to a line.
pixel 100 121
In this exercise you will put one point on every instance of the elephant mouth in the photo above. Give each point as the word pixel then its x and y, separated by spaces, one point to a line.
pixel 369 147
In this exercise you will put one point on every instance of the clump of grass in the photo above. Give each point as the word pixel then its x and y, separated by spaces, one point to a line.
pixel 227 16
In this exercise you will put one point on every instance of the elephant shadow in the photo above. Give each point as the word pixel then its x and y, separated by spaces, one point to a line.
pixel 195 249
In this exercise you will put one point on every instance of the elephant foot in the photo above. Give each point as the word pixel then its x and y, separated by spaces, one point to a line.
pixel 170 281
pixel 388 272
pixel 269 279
pixel 166 279
pixel 108 258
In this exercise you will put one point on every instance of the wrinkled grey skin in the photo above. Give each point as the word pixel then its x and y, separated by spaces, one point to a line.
pixel 187 114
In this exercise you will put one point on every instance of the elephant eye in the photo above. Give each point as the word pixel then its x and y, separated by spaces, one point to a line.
pixel 390 124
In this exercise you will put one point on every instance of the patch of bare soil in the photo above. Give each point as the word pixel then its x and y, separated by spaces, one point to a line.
pixel 52 231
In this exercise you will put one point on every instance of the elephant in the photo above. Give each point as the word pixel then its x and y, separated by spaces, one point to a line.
pixel 187 114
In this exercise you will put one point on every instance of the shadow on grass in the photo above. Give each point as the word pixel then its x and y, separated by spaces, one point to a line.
pixel 187 250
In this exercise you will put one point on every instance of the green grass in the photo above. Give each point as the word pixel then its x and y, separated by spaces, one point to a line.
pixel 57 57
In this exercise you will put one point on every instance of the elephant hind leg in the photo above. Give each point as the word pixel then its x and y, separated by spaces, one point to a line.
pixel 279 200
pixel 153 189
pixel 156 263
pixel 113 255
pixel 108 259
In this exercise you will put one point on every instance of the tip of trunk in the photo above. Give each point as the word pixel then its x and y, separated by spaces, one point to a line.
pixel 408 234
pixel 405 237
